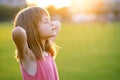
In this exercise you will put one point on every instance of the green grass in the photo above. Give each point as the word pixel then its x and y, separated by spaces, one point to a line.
pixel 89 51
pixel 9 68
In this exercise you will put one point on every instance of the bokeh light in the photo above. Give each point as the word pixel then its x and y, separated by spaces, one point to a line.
pixel 56 3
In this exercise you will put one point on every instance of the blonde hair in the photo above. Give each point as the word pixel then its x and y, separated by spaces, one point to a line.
pixel 29 19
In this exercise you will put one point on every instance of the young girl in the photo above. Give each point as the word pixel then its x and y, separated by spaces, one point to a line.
pixel 34 35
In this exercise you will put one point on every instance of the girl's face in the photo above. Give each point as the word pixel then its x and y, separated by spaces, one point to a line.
pixel 47 28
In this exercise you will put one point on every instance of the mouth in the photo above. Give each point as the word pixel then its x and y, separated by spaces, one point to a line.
pixel 53 28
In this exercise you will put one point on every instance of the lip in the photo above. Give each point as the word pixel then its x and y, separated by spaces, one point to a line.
pixel 54 28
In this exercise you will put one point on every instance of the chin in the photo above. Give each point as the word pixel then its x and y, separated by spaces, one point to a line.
pixel 51 36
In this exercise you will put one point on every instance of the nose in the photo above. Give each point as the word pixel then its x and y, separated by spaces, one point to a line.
pixel 52 23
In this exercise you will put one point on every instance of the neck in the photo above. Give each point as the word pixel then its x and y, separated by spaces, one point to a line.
pixel 44 52
pixel 43 42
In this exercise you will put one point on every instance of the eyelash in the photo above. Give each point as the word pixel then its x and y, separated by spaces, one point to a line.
pixel 46 21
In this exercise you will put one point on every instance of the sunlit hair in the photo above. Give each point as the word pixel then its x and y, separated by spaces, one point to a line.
pixel 29 19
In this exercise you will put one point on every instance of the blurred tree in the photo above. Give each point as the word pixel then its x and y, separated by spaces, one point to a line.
pixel 65 13
pixel 62 13
pixel 52 10
pixel 7 13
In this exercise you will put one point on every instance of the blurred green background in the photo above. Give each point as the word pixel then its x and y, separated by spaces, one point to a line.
pixel 89 51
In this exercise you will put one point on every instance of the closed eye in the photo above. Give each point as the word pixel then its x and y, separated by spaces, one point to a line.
pixel 46 21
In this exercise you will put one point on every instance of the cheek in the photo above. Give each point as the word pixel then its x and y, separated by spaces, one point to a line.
pixel 42 27
pixel 44 30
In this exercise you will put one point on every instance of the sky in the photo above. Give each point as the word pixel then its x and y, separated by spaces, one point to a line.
pixel 75 5
pixel 45 3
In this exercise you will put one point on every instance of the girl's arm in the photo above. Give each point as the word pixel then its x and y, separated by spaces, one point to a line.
pixel 57 25
pixel 20 39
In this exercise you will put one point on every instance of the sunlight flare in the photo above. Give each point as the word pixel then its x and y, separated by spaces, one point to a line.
pixel 45 3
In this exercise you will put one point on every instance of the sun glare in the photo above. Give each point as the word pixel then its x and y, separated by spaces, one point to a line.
pixel 45 3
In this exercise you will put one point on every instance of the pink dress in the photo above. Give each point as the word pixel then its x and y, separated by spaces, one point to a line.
pixel 46 70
